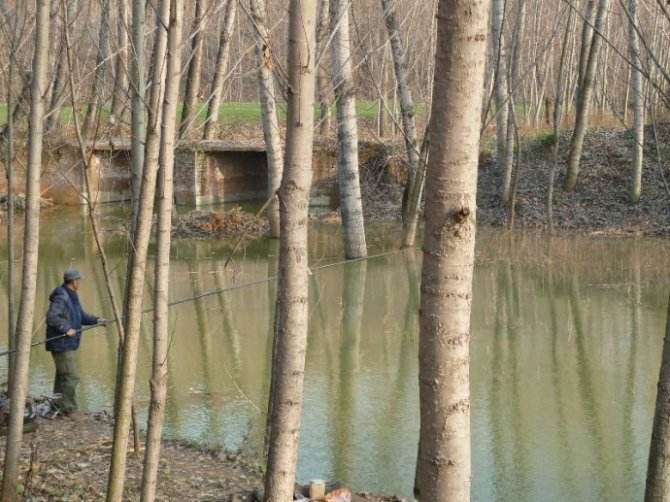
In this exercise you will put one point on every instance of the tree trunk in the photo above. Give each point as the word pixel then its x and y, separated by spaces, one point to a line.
pixel 266 91
pixel 97 89
pixel 24 322
pixel 322 79
pixel 513 89
pixel 587 40
pixel 404 93
pixel 137 264
pixel 137 109
pixel 288 367
pixel 638 101
pixel 658 471
pixel 159 374
pixel 60 77
pixel 500 82
pixel 192 90
pixel 120 74
pixel 11 238
pixel 584 100
pixel 216 95
pixel 558 114
pixel 351 205
pixel 446 284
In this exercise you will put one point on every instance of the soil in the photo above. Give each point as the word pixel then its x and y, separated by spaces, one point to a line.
pixel 68 459
pixel 600 203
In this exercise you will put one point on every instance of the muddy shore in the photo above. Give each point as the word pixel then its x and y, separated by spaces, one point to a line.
pixel 66 459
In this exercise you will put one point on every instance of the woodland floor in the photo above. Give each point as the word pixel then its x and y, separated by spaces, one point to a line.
pixel 600 203
pixel 68 460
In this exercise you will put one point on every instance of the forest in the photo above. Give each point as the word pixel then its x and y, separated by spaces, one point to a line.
pixel 335 250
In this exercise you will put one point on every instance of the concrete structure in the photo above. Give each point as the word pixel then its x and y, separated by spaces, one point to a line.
pixel 206 172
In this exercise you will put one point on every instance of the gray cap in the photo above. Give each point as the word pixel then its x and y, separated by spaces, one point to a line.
pixel 71 274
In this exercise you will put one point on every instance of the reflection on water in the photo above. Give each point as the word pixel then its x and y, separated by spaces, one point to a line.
pixel 565 352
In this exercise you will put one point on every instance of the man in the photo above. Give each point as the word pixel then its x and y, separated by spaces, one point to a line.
pixel 64 321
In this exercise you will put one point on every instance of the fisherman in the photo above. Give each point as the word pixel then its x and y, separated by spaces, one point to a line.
pixel 64 321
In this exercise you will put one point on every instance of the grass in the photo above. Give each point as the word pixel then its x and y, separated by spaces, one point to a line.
pixel 229 114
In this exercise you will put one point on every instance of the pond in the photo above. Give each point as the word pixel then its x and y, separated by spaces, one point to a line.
pixel 566 345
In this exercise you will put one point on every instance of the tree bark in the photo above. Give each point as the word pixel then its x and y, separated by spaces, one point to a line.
pixel 500 82
pixel 322 80
pixel 404 93
pixel 658 471
pixel 587 40
pixel 584 100
pixel 60 77
pixel 557 118
pixel 137 264
pixel 97 89
pixel 192 90
pixel 11 238
pixel 638 101
pixel 24 322
pixel 137 109
pixel 268 99
pixel 121 69
pixel 351 204
pixel 513 89
pixel 159 374
pixel 446 286
pixel 216 95
pixel 288 367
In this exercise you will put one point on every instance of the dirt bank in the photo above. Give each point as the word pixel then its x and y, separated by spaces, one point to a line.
pixel 66 459
pixel 600 203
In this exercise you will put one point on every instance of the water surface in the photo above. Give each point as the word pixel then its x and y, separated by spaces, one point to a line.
pixel 565 350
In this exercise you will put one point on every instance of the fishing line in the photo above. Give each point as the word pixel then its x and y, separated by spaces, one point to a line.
pixel 215 292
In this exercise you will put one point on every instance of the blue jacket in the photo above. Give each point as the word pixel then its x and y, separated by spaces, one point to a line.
pixel 65 313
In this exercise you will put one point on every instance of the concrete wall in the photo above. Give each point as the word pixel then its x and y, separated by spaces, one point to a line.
pixel 205 173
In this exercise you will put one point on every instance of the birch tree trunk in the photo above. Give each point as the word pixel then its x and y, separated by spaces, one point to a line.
pixel 500 83
pixel 159 374
pixel 322 80
pixel 98 86
pixel 584 100
pixel 404 93
pixel 266 91
pixel 216 95
pixel 137 108
pixel 351 204
pixel 120 73
pixel 658 470
pixel 446 284
pixel 192 90
pixel 137 264
pixel 638 101
pixel 288 365
pixel 24 322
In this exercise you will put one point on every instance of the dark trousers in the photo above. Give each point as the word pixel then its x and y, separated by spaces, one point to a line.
pixel 67 379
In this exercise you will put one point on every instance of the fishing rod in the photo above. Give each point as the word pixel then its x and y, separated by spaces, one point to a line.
pixel 206 294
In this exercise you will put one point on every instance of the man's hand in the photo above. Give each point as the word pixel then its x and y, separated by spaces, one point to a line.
pixel 71 332
pixel 102 321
